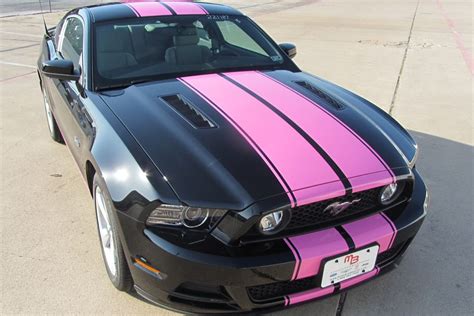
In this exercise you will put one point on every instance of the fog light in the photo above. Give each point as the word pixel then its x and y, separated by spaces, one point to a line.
pixel 390 193
pixel 270 223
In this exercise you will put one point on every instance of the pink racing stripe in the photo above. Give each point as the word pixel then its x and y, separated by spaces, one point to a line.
pixel 254 146
pixel 313 248
pixel 307 174
pixel 376 228
pixel 308 295
pixel 320 292
pixel 186 8
pixel 359 279
pixel 353 156
pixel 297 258
pixel 370 181
pixel 149 9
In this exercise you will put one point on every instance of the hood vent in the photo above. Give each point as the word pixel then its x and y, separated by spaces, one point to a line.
pixel 185 108
pixel 332 101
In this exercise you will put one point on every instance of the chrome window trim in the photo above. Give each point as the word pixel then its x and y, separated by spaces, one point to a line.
pixel 81 56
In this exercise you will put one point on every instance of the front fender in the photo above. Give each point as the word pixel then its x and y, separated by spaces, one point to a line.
pixel 385 123
pixel 131 178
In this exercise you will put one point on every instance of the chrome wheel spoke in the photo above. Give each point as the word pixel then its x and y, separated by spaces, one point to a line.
pixel 105 232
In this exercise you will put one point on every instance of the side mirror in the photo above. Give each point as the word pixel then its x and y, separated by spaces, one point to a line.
pixel 60 69
pixel 289 49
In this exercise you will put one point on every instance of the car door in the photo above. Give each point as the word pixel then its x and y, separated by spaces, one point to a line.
pixel 71 114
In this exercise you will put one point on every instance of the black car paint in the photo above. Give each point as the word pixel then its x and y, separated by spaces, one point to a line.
pixel 105 133
pixel 257 264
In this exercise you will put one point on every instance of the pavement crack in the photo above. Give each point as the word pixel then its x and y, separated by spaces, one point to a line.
pixel 394 98
pixel 17 48
pixel 340 305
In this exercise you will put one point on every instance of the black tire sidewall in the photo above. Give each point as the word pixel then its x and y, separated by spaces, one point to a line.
pixel 122 280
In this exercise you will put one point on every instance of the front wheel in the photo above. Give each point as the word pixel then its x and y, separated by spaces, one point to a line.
pixel 111 246
pixel 52 125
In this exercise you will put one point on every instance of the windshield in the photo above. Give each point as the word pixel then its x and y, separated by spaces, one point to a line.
pixel 143 49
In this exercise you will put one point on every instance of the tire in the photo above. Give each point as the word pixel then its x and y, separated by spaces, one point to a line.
pixel 53 128
pixel 110 244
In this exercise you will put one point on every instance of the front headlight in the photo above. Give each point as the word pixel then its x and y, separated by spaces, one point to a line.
pixel 190 217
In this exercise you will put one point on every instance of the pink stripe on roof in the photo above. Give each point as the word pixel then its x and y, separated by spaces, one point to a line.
pixel 309 295
pixel 132 1
pixel 294 158
pixel 314 247
pixel 375 228
pixel 149 8
pixel 186 8
pixel 348 151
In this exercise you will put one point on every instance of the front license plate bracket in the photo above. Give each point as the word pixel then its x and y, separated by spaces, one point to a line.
pixel 349 265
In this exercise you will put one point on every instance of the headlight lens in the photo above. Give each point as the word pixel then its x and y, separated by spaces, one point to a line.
pixel 387 193
pixel 190 217
pixel 166 215
pixel 195 217
pixel 272 223
pixel 391 192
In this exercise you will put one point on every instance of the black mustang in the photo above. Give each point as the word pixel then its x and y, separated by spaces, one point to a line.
pixel 224 178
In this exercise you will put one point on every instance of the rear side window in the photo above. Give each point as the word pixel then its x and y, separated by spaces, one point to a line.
pixel 235 36
pixel 72 42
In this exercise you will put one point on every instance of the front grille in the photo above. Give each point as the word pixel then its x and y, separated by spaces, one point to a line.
pixel 316 216
pixel 279 289
pixel 308 215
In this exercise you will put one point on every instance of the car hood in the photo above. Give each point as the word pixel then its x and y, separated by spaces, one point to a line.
pixel 230 140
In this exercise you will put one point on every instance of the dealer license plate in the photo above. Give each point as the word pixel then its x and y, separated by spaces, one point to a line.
pixel 349 266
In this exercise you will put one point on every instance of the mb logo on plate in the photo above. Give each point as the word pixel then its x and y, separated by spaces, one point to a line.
pixel 337 208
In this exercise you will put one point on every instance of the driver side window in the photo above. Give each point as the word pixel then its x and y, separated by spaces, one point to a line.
pixel 72 42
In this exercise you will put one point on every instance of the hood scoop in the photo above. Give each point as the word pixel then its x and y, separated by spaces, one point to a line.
pixel 189 112
pixel 332 101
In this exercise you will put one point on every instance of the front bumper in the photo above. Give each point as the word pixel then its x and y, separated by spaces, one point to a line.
pixel 289 273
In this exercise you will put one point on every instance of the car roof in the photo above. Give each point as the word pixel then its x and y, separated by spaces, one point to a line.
pixel 133 9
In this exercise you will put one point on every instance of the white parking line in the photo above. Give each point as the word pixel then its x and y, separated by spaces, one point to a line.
pixel 16 64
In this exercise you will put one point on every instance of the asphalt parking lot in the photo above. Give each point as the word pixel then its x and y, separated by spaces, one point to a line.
pixel 411 57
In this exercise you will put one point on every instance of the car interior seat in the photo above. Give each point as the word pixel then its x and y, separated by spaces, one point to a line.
pixel 114 50
pixel 186 50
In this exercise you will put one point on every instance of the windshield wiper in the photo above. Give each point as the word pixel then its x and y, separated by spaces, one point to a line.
pixel 122 85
